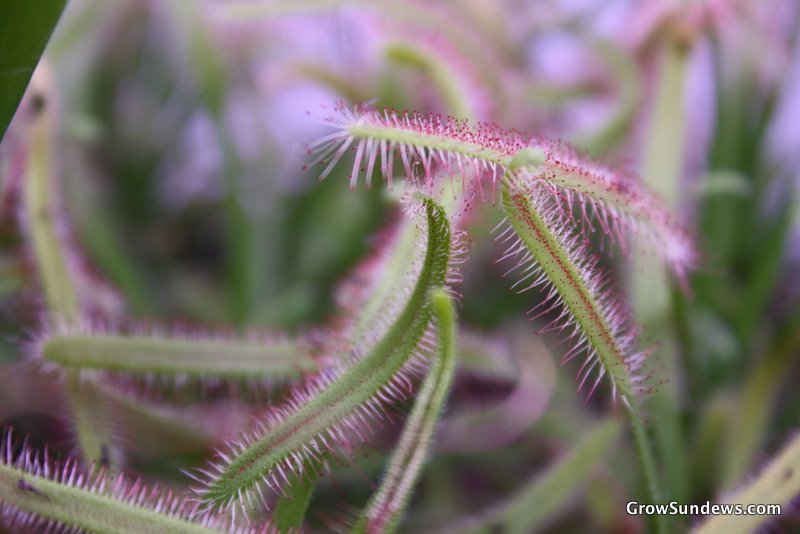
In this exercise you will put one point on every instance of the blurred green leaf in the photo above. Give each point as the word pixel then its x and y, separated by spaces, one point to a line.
pixel 25 28
pixel 537 501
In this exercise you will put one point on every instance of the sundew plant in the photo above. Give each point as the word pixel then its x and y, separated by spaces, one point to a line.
pixel 399 266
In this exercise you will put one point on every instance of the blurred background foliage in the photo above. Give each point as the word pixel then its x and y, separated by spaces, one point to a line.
pixel 181 161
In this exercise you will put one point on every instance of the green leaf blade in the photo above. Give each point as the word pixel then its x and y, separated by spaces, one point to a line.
pixel 563 263
pixel 25 29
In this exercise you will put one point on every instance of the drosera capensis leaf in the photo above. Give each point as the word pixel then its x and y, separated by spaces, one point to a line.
pixel 70 290
pixel 544 184
pixel 777 484
pixel 548 254
pixel 387 506
pixel 377 291
pixel 55 264
pixel 485 153
pixel 536 502
pixel 41 216
pixel 154 353
pixel 341 401
pixel 427 138
pixel 42 495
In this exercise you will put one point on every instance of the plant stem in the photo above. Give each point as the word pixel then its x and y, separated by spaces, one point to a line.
pixel 647 460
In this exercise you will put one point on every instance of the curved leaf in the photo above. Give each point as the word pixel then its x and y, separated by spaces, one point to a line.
pixel 388 504
pixel 340 401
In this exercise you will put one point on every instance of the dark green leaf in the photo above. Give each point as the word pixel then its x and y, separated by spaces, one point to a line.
pixel 25 28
